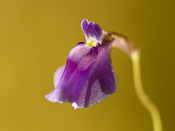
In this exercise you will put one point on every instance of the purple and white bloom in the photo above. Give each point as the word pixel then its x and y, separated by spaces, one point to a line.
pixel 88 76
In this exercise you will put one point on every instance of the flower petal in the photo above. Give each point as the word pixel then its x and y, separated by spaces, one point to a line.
pixel 88 77
pixel 79 59
pixel 101 81
pixel 92 31
pixel 58 74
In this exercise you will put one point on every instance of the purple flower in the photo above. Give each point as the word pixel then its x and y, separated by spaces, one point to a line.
pixel 88 76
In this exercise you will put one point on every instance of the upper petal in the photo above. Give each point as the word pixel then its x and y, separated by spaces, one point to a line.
pixel 92 31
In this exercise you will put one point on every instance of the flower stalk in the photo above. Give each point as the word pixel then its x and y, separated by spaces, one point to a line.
pixel 142 96
pixel 125 44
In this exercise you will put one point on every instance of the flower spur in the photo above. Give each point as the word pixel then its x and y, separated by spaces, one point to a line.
pixel 88 76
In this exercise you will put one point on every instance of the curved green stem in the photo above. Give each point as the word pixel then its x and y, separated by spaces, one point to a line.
pixel 143 97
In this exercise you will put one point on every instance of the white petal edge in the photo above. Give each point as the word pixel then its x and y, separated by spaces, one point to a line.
pixel 58 75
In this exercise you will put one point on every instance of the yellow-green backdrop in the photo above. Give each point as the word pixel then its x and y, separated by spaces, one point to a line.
pixel 35 39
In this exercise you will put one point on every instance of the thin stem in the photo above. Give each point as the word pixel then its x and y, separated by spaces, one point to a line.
pixel 124 43
pixel 143 97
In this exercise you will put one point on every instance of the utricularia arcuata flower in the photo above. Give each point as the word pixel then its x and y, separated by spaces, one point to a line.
pixel 88 76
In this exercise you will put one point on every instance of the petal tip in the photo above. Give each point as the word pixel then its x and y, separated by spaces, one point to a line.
pixel 75 106
pixel 84 24
pixel 51 98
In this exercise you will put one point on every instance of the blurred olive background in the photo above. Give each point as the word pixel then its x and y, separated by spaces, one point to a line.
pixel 35 39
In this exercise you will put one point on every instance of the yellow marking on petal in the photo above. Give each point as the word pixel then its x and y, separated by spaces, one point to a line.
pixel 91 43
